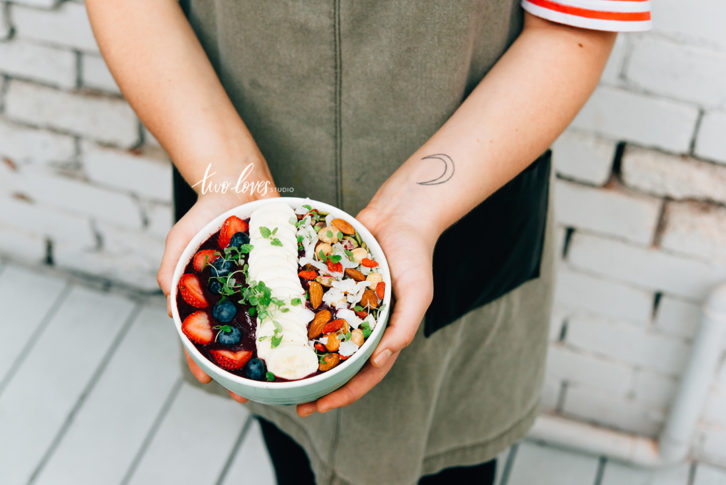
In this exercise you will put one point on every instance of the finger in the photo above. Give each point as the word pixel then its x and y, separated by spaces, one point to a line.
pixel 196 370
pixel 237 397
pixel 306 409
pixel 355 388
pixel 176 241
pixel 168 305
pixel 411 304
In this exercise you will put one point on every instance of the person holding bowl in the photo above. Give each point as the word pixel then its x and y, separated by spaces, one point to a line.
pixel 431 120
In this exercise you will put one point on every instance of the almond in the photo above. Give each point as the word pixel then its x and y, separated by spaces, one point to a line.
pixel 329 361
pixel 344 226
pixel 319 321
pixel 333 343
pixel 369 299
pixel 316 294
pixel 355 274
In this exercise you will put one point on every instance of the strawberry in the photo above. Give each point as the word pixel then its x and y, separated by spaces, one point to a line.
pixel 380 290
pixel 232 225
pixel 203 258
pixel 198 328
pixel 191 291
pixel 333 325
pixel 308 274
pixel 368 263
pixel 230 360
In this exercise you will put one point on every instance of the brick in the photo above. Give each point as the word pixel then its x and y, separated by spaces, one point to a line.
pixel 622 115
pixel 678 177
pixel 44 222
pixel 715 409
pixel 681 21
pixel 709 475
pixel 129 257
pixel 583 157
pixel 65 26
pixel 646 267
pixel 557 320
pixel 678 70
pixel 587 292
pixel 5 29
pixel 24 144
pixel 38 3
pixel 108 120
pixel 629 344
pixel 560 236
pixel 127 171
pixel 713 447
pixel 550 395
pixel 615 473
pixel 38 62
pixel 614 211
pixel 594 405
pixel 678 317
pixel 76 196
pixel 695 228
pixel 21 246
pixel 710 139
pixel 575 366
pixel 654 389
pixel 159 218
pixel 95 74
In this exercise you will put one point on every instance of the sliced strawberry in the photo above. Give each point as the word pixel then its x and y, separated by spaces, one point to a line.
pixel 230 360
pixel 198 328
pixel 204 258
pixel 232 225
pixel 191 291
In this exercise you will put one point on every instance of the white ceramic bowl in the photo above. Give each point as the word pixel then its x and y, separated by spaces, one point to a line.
pixel 303 390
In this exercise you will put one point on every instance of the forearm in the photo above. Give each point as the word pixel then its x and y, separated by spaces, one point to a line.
pixel 518 109
pixel 167 78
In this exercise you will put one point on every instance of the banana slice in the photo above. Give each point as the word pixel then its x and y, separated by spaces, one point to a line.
pixel 292 361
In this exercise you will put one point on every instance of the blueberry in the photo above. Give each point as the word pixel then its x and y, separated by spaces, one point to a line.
pixel 229 335
pixel 238 239
pixel 222 267
pixel 215 287
pixel 224 311
pixel 256 369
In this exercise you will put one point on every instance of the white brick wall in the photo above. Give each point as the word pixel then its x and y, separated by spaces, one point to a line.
pixel 641 227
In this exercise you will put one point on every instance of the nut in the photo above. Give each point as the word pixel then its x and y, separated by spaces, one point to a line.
pixel 344 226
pixel 324 247
pixel 369 299
pixel 356 336
pixel 329 361
pixel 333 343
pixel 319 321
pixel 373 279
pixel 359 254
pixel 316 294
pixel 328 234
pixel 355 274
pixel 325 280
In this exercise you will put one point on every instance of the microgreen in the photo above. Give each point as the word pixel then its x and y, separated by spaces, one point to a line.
pixel 265 232
pixel 358 308
pixel 270 376
pixel 275 242
pixel 329 233
pixel 308 207
pixel 295 301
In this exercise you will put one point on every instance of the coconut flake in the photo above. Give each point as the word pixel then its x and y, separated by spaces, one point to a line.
pixel 349 316
pixel 371 321
pixel 347 348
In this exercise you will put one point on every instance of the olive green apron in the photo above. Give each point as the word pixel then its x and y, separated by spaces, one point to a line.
pixel 338 94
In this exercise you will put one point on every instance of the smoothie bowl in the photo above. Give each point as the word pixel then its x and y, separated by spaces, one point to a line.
pixel 281 300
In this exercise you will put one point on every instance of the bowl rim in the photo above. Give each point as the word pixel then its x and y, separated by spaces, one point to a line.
pixel 204 233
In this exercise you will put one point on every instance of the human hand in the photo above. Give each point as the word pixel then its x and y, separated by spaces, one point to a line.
pixel 409 251
pixel 204 210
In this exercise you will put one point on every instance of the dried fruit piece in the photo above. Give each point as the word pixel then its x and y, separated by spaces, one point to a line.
pixel 373 279
pixel 319 347
pixel 344 226
pixel 355 274
pixel 333 343
pixel 359 254
pixel 316 294
pixel 361 314
pixel 329 361
pixel 380 290
pixel 334 325
pixel 308 274
pixel 356 336
pixel 325 280
pixel 368 263
pixel 319 321
pixel 335 267
pixel 369 299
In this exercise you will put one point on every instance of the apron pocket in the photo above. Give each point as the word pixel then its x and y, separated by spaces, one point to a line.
pixel 493 249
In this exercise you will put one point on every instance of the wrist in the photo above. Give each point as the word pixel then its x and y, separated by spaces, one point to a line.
pixel 241 180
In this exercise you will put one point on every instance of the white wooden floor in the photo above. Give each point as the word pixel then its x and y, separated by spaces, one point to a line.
pixel 90 393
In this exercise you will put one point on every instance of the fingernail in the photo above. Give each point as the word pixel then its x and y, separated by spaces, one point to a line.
pixel 381 358
pixel 307 411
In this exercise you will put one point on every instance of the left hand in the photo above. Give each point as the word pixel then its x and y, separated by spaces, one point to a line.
pixel 408 245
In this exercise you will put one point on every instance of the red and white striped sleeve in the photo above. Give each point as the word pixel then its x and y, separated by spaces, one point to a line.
pixel 612 15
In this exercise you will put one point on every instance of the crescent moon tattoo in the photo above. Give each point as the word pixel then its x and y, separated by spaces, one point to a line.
pixel 445 175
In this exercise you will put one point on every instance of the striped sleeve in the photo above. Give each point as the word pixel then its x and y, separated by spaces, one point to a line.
pixel 612 15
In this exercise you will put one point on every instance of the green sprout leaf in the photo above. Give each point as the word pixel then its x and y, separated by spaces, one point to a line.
pixel 265 232
pixel 276 242
pixel 270 376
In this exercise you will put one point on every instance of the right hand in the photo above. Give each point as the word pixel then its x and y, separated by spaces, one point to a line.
pixel 204 210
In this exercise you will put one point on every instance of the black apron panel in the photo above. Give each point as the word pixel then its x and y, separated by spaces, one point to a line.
pixel 184 195
pixel 491 250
